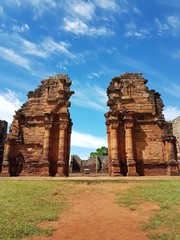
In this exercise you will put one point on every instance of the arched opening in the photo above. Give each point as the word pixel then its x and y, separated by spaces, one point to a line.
pixel 16 165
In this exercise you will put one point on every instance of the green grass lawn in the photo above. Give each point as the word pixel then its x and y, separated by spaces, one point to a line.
pixel 24 204
pixel 167 195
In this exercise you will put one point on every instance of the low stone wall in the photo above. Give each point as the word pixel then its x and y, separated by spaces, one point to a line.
pixel 93 164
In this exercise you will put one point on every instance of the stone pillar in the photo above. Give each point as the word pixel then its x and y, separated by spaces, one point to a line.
pixel 131 164
pixel 68 141
pixel 46 144
pixel 61 150
pixel 109 147
pixel 5 163
pixel 115 163
pixel 172 163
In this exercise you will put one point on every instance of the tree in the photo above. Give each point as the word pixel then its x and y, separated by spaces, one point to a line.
pixel 103 151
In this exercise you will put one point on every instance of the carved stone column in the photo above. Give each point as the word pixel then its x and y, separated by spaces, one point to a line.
pixel 46 144
pixel 61 150
pixel 131 164
pixel 67 149
pixel 172 163
pixel 115 164
pixel 109 147
pixel 5 163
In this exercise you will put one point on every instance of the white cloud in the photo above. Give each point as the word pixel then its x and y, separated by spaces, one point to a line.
pixel 170 113
pixel 39 6
pixel 173 3
pixel 9 104
pixel 2 11
pixel 79 27
pixel 81 9
pixel 133 31
pixel 23 28
pixel 95 74
pixel 174 24
pixel 136 10
pixel 173 89
pixel 108 5
pixel 11 56
pixel 51 46
pixel 31 48
pixel 175 54
pixel 92 97
pixel 170 26
pixel 85 140
pixel 42 49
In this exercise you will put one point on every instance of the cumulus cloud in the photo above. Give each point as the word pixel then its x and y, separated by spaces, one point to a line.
pixel 170 113
pixel 9 104
pixel 85 140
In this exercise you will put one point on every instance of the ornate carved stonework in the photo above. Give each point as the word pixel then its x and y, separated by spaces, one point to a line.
pixel 39 138
pixel 142 142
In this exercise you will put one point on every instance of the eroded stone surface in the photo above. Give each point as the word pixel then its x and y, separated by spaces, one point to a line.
pixel 140 141
pixel 176 132
pixel 3 132
pixel 39 138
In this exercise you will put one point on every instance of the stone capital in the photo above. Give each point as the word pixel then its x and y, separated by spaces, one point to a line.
pixel 129 124
pixel 48 126
pixel 114 125
pixel 63 126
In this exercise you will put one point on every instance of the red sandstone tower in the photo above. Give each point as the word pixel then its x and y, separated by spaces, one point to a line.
pixel 140 141
pixel 39 138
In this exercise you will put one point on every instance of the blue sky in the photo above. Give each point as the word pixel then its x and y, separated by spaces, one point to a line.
pixel 91 41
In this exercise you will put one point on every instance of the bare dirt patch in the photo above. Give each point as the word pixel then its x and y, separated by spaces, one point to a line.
pixel 94 214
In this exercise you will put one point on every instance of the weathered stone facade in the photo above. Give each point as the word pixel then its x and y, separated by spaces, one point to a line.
pixel 140 141
pixel 39 138
pixel 3 132
pixel 176 132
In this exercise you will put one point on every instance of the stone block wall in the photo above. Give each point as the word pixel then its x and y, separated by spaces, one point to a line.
pixel 140 141
pixel 39 138
pixel 94 164
pixel 3 132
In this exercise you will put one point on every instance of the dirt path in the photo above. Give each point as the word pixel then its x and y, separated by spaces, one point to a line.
pixel 95 215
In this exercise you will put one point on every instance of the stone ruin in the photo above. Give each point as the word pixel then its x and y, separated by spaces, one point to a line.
pixel 140 141
pixel 94 164
pixel 39 138
pixel 176 132
pixel 3 132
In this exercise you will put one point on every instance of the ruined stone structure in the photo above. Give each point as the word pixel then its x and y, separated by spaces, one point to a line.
pixel 94 164
pixel 39 138
pixel 140 141
pixel 176 132
pixel 3 132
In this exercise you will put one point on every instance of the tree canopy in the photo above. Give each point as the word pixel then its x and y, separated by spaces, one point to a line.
pixel 102 151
